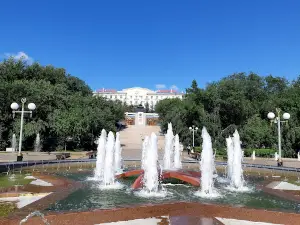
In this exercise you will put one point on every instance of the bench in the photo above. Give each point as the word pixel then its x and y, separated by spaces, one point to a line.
pixel 92 154
pixel 62 156
pixel 196 155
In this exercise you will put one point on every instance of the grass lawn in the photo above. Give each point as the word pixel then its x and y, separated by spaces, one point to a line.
pixel 8 181
pixel 294 181
pixel 6 208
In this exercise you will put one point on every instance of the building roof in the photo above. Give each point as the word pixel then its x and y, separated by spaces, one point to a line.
pixel 138 90
pixel 106 90
pixel 166 91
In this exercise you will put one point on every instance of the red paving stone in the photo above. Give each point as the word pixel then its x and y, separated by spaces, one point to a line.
pixel 191 211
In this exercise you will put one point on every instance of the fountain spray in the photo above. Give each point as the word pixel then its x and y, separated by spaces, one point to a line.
pixel 207 167
pixel 37 143
pixel 118 155
pixel 237 178
pixel 109 175
pixel 229 143
pixel 144 151
pixel 99 170
pixel 169 148
pixel 177 153
pixel 14 142
pixel 150 166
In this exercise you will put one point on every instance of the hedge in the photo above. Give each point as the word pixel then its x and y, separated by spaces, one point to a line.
pixel 263 152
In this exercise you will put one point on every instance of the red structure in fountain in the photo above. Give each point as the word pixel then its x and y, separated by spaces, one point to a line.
pixel 191 177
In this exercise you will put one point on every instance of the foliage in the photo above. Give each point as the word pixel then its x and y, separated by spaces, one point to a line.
pixel 240 101
pixel 6 208
pixel 6 181
pixel 65 107
pixel 263 152
pixel 147 107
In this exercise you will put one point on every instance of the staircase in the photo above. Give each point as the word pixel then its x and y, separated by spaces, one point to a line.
pixel 131 140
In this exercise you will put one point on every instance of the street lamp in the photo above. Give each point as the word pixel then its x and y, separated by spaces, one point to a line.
pixel 276 119
pixel 193 129
pixel 14 106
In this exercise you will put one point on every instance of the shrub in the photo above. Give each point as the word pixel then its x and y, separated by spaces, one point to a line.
pixel 198 149
pixel 263 152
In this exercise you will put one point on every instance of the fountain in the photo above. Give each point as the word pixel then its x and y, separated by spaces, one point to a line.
pixel 14 143
pixel 37 143
pixel 148 174
pixel 151 176
pixel 229 144
pixel 169 148
pixel 207 167
pixel 109 176
pixel 118 155
pixel 253 155
pixel 177 153
pixel 150 166
pixel 237 178
pixel 99 170
pixel 144 151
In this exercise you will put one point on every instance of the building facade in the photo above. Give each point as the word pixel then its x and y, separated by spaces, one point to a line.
pixel 138 96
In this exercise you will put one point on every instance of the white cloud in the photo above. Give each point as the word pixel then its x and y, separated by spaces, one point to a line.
pixel 20 56
pixel 174 87
pixel 160 86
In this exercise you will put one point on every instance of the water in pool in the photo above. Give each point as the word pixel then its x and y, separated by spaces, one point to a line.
pixel 91 196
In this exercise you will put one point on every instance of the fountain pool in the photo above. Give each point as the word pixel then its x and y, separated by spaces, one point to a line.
pixel 91 197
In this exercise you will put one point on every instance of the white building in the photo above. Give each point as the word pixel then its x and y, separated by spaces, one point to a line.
pixel 137 95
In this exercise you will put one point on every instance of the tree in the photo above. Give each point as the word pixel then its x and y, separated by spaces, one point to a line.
pixel 65 106
pixel 239 101
pixel 147 107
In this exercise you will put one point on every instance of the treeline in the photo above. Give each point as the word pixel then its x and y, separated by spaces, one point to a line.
pixel 239 101
pixel 66 112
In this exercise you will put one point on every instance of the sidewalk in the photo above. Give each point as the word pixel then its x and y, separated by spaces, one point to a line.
pixel 31 156
pixel 136 154
pixel 288 162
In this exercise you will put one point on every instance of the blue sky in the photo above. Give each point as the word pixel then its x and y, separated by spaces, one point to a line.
pixel 120 44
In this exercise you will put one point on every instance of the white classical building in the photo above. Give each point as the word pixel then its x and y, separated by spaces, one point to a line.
pixel 138 95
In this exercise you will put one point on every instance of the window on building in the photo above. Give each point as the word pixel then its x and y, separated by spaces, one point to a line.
pixel 111 96
pixel 151 97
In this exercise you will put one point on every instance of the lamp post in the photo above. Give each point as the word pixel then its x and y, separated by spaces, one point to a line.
pixel 14 106
pixel 276 119
pixel 193 129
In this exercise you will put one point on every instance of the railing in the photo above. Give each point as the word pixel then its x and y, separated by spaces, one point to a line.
pixel 4 166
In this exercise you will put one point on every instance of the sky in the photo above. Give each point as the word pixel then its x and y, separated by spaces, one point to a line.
pixel 163 44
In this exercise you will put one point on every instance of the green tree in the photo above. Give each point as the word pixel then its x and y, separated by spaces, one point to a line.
pixel 65 106
pixel 240 101
pixel 147 108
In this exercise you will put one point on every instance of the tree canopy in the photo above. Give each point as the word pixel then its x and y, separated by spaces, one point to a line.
pixel 239 101
pixel 65 109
